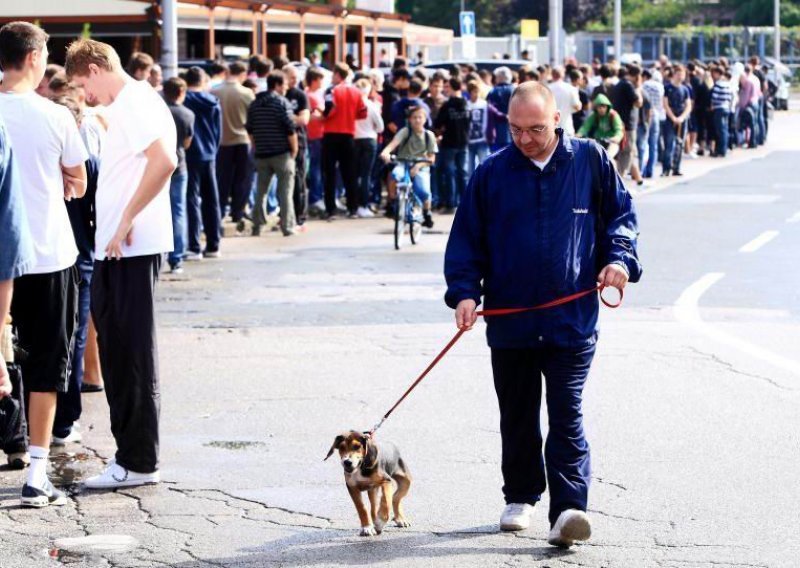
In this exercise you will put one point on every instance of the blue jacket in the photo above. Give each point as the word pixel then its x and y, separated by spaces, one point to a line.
pixel 207 126
pixel 522 237
pixel 500 97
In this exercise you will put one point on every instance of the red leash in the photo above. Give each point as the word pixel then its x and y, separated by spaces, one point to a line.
pixel 496 312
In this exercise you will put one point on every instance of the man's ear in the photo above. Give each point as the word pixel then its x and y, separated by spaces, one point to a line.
pixel 336 443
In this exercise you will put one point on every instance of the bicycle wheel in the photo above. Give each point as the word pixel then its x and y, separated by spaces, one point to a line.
pixel 400 218
pixel 414 220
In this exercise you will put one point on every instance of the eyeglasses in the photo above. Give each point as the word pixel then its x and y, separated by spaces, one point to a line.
pixel 516 132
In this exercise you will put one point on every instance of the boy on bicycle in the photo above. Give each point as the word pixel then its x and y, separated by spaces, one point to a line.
pixel 417 149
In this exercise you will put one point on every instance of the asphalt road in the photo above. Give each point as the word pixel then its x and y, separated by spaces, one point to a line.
pixel 269 352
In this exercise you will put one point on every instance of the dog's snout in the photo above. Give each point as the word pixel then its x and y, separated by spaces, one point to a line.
pixel 348 462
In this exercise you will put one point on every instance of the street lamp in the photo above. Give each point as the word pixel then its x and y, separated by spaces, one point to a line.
pixel 776 48
pixel 618 29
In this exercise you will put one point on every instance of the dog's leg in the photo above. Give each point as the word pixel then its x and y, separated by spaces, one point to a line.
pixel 374 496
pixel 366 525
pixel 385 506
pixel 403 485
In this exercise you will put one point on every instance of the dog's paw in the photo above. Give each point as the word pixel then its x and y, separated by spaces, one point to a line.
pixel 368 531
pixel 379 524
pixel 402 523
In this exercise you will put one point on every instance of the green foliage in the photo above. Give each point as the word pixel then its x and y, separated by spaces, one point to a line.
pixel 760 12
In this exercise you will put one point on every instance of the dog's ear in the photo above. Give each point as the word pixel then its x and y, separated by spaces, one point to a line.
pixel 336 443
pixel 370 452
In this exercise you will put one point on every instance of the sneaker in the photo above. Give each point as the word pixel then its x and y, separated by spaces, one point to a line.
pixel 212 254
pixel 74 437
pixel 255 231
pixel 192 256
pixel 427 221
pixel 364 213
pixel 570 526
pixel 35 497
pixel 240 226
pixel 18 460
pixel 352 215
pixel 677 173
pixel 117 476
pixel 516 517
pixel 177 269
pixel 288 232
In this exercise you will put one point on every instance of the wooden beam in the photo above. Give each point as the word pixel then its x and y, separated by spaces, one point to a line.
pixel 362 36
pixel 302 36
pixel 254 33
pixel 211 52
pixel 264 44
pixel 374 54
pixel 337 43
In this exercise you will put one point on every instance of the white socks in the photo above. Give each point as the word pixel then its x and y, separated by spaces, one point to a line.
pixel 37 472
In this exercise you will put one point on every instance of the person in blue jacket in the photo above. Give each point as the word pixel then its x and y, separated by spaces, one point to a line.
pixel 202 195
pixel 543 218
pixel 499 97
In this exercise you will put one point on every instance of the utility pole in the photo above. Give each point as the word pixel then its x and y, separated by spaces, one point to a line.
pixel 776 48
pixel 553 31
pixel 169 38
pixel 618 30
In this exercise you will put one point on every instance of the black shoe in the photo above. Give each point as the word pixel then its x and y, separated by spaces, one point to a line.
pixel 255 231
pixel 427 221
pixel 676 173
pixel 35 497
pixel 86 387
pixel 391 209
pixel 664 173
pixel 240 226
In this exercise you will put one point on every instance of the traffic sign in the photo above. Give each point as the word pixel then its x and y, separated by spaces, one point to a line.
pixel 529 29
pixel 467 20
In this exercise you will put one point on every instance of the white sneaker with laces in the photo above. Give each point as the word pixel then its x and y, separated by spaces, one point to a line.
pixel 364 213
pixel 570 526
pixel 117 476
pixel 516 517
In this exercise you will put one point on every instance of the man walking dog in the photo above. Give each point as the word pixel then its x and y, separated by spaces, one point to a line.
pixel 545 217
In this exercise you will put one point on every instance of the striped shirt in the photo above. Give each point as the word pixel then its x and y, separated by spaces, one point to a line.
pixel 270 121
pixel 721 95
pixel 654 92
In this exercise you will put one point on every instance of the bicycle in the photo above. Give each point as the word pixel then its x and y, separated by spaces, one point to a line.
pixel 409 207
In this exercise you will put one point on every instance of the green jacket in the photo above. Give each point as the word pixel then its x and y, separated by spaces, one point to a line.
pixel 596 127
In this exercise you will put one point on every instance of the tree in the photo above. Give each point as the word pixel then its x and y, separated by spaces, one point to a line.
pixel 760 12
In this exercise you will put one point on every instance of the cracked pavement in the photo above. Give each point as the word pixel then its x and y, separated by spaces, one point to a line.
pixel 270 351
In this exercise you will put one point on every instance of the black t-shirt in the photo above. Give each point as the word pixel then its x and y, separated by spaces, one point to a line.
pixel 184 125
pixel 82 217
pixel 579 117
pixel 298 100
pixel 454 119
pixel 623 97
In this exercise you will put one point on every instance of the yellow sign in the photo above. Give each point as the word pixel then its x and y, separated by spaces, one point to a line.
pixel 529 29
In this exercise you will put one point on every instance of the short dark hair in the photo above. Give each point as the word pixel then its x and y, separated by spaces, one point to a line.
pixel 399 62
pixel 647 74
pixel 574 75
pixel 194 76
pixel 341 69
pixel 174 88
pixel 455 83
pixel 605 71
pixel 414 108
pixel 139 61
pixel 17 40
pixel 437 76
pixel 313 74
pixel 217 67
pixel 401 73
pixel 237 68
pixel 415 87
pixel 261 66
pixel 275 79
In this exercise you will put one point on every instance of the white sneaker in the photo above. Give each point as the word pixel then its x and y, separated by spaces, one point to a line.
pixel 364 213
pixel 74 437
pixel 516 517
pixel 117 476
pixel 570 526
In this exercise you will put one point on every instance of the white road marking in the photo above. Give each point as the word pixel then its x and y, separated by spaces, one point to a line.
pixel 794 218
pixel 714 199
pixel 759 241
pixel 686 312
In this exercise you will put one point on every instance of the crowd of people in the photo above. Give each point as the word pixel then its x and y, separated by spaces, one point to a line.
pixel 263 143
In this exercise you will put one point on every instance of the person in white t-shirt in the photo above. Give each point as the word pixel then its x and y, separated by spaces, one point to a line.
pixel 134 229
pixel 568 100
pixel 50 156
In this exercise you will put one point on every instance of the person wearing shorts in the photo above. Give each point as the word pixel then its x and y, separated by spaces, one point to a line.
pixel 50 156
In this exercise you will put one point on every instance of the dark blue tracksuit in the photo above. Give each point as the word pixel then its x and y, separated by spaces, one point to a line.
pixel 522 237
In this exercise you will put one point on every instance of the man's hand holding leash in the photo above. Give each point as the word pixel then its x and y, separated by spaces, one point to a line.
pixel 466 315
pixel 613 276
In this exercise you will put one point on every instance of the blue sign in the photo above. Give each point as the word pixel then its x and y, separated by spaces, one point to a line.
pixel 467 20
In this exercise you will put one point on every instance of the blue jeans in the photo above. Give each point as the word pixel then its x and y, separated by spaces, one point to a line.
pixel 454 176
pixel 315 188
pixel 420 183
pixel 68 407
pixel 721 131
pixel 641 143
pixel 669 161
pixel 762 122
pixel 477 154
pixel 177 201
pixel 653 134
pixel 566 464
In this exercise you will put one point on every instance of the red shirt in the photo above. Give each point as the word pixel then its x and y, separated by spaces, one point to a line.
pixel 348 106
pixel 316 126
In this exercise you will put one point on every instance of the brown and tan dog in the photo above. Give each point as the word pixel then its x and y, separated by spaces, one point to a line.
pixel 373 469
